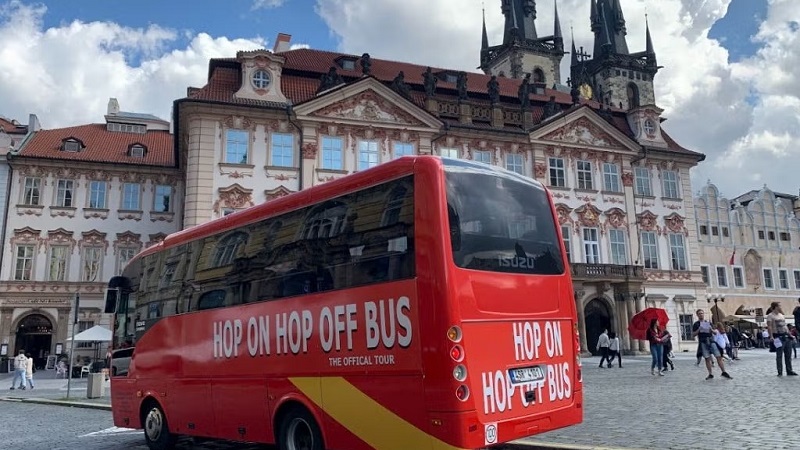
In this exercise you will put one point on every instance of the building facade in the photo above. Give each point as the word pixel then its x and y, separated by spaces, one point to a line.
pixel 749 252
pixel 268 123
pixel 83 201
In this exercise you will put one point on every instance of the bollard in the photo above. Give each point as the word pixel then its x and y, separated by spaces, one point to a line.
pixel 94 386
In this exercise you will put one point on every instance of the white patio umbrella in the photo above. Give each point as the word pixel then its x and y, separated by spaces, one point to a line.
pixel 94 334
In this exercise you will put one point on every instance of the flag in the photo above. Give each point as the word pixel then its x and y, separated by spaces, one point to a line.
pixel 733 255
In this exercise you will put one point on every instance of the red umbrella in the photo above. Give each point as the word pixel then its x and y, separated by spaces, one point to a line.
pixel 641 322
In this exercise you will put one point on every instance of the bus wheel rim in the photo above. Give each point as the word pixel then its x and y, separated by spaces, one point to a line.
pixel 154 424
pixel 299 435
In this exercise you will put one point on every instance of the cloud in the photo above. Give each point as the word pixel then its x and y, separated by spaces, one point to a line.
pixel 266 4
pixel 66 74
pixel 734 113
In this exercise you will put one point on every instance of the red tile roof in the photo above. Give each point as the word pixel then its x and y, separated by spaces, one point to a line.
pixel 303 68
pixel 101 145
pixel 12 128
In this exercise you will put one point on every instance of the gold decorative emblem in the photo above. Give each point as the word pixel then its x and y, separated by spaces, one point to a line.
pixel 586 91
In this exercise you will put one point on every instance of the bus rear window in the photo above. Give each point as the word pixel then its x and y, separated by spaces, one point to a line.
pixel 500 222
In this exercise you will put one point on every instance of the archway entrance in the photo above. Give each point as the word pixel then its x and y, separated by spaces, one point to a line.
pixel 35 336
pixel 598 318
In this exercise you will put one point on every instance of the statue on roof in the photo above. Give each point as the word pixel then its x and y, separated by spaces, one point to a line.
pixel 550 108
pixel 461 85
pixel 330 80
pixel 575 93
pixel 524 92
pixel 429 80
pixel 366 64
pixel 399 85
pixel 493 88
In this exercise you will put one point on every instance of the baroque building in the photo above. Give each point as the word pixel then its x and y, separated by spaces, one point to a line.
pixel 83 201
pixel 749 252
pixel 268 123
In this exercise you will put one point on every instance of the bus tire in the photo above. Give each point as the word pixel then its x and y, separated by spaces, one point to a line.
pixel 156 428
pixel 299 431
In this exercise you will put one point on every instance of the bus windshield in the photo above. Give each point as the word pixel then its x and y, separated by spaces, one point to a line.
pixel 500 222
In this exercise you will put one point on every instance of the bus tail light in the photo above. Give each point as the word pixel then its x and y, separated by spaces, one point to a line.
pixel 462 393
pixel 457 353
pixel 454 334
pixel 460 372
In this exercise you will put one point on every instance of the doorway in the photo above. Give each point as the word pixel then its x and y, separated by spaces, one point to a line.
pixel 35 336
pixel 598 318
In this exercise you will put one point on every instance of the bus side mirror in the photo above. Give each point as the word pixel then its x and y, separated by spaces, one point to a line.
pixel 112 298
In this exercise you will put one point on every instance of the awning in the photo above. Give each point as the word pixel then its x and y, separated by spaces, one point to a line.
pixel 94 334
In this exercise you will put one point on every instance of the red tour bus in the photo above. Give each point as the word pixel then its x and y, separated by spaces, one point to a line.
pixel 425 303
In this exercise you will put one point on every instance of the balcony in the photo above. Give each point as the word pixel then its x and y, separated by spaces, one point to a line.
pixel 607 272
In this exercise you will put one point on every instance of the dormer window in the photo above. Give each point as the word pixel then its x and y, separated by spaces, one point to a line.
pixel 137 151
pixel 72 145
pixel 448 77
pixel 346 63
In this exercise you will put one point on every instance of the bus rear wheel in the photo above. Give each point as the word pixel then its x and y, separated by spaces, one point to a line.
pixel 156 429
pixel 299 431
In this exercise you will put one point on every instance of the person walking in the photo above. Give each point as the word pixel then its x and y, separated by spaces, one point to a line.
pixel 666 340
pixel 20 367
pixel 702 329
pixel 781 340
pixel 29 369
pixel 614 349
pixel 602 347
pixel 656 347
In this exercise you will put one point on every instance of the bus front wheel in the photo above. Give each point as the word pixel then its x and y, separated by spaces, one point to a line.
pixel 156 429
pixel 299 431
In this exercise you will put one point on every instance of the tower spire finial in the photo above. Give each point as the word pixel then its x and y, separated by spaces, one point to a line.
pixel 485 37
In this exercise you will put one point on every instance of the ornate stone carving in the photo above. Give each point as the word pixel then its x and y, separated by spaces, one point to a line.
pixel 329 80
pixel 752 268
pixel 429 80
pixel 675 224
pixel 239 122
pixel 127 239
pixel 563 212
pixel 368 106
pixel 461 86
pixel 61 236
pixel 366 64
pixel 540 169
pixel 235 197
pixel 399 85
pixel 309 150
pixel 93 238
pixel 26 235
pixel 627 178
pixel 582 131
pixel 493 88
pixel 616 218
pixel 647 221
pixel 588 215
pixel 278 192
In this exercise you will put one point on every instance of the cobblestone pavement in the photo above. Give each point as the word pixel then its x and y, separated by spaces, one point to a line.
pixel 629 408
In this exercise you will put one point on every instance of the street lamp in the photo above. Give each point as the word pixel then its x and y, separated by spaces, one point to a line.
pixel 715 298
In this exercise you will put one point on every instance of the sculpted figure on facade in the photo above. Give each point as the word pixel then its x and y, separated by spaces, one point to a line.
pixel 752 268
pixel 616 218
pixel 675 224
pixel 429 81
pixel 647 221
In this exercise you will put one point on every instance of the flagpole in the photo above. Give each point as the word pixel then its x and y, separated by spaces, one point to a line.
pixel 72 342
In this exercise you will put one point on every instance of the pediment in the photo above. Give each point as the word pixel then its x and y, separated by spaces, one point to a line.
pixel 585 128
pixel 367 101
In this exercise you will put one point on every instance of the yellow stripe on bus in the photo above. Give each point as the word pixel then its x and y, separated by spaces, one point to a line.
pixel 364 417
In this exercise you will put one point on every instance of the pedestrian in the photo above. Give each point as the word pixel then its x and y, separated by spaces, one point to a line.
pixel 781 340
pixel 796 314
pixel 29 369
pixel 666 340
pixel 721 340
pixel 602 347
pixel 656 347
pixel 614 349
pixel 793 333
pixel 702 329
pixel 20 366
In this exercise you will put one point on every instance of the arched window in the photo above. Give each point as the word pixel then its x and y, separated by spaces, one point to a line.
pixel 633 96
pixel 227 249
pixel 538 76
pixel 327 221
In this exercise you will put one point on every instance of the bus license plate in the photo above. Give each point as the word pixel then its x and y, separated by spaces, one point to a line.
pixel 526 374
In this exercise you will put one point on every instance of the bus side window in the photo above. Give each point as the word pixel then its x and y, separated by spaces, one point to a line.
pixel 211 300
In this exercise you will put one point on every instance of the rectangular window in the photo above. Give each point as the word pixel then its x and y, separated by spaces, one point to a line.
pixel 686 326
pixel 619 247
pixel 585 175
pixel 642 185
pixel 783 278
pixel 725 232
pixel 57 269
pixel 514 163
pixel 671 189
pixel 282 150
pixel 403 149
pixel 591 246
pixel 738 277
pixel 482 156
pixel 786 237
pixel 332 153
pixel 31 194
pixel 761 234
pixel 611 177
pixel 704 273
pixel 236 146
pixel 649 249
pixel 722 276
pixel 64 193
pixel 771 235
pixel 163 199
pixel 704 230
pixel 449 153
pixel 565 233
pixel 558 174
pixel 131 194
pixel 769 283
pixel 23 271
pixel 124 255
pixel 797 283
pixel 367 154
pixel 92 261
pixel 677 251
pixel 97 194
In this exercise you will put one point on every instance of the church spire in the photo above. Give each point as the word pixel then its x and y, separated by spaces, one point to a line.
pixel 608 25
pixel 557 37
pixel 485 37
pixel 520 16
pixel 650 50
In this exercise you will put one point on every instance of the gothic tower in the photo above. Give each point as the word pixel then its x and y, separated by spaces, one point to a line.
pixel 523 51
pixel 613 75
